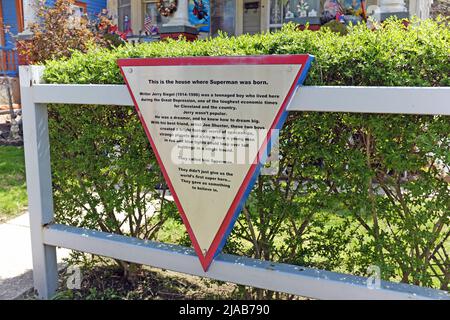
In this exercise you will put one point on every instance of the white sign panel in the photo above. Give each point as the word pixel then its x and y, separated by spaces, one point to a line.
pixel 210 121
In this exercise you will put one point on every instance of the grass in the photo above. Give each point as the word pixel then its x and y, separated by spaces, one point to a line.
pixel 13 195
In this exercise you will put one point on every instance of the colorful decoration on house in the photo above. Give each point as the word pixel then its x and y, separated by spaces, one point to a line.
pixel 353 4
pixel 127 26
pixel 199 11
pixel 167 7
pixel 331 9
pixel 345 11
pixel 104 26
pixel 149 27
pixel 302 8
pixel 289 15
pixel 312 13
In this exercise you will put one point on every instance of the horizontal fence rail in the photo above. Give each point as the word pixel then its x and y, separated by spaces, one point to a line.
pixel 405 100
pixel 291 279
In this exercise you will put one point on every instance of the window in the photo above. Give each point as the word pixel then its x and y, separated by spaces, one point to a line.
pixel 124 11
pixel 223 16
pixel 156 20
pixel 282 11
pixel 321 11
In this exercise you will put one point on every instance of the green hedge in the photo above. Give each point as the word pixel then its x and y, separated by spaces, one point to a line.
pixel 391 56
pixel 353 190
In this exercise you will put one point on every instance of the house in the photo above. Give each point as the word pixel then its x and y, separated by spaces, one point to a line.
pixel 14 16
pixel 249 16
pixel 203 17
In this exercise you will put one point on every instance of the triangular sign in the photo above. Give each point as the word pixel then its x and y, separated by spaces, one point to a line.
pixel 210 121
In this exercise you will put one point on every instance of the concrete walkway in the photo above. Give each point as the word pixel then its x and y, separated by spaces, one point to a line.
pixel 16 276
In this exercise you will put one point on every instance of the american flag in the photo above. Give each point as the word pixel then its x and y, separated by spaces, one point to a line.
pixel 147 24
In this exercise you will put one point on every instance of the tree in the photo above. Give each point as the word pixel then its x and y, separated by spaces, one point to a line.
pixel 59 32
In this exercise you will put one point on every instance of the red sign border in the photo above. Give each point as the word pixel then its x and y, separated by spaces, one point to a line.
pixel 225 228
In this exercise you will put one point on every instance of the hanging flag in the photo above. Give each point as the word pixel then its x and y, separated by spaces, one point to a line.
pixel 148 24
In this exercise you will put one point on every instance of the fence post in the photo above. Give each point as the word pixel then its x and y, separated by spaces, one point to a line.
pixel 39 182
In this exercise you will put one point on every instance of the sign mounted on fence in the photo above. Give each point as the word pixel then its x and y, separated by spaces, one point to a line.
pixel 210 122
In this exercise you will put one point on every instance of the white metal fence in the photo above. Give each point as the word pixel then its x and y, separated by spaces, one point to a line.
pixel 46 235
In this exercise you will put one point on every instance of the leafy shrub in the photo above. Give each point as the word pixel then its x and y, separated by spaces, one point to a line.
pixel 353 189
pixel 104 176
pixel 336 26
